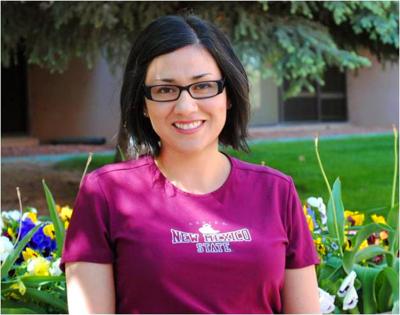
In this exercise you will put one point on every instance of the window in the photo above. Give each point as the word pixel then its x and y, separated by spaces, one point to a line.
pixel 328 103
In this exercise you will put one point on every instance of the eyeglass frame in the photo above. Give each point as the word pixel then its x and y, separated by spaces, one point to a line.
pixel 220 85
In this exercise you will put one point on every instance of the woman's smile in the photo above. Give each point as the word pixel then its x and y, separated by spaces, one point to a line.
pixel 188 127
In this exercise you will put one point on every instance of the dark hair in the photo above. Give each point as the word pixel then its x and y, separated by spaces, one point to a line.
pixel 167 34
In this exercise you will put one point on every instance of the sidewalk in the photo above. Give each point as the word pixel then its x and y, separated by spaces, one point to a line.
pixel 47 153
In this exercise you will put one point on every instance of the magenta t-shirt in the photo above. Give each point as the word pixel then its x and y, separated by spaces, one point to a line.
pixel 176 252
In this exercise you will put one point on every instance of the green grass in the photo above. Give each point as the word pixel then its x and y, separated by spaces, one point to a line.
pixel 363 163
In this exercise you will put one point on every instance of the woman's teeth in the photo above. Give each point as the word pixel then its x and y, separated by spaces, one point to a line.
pixel 191 125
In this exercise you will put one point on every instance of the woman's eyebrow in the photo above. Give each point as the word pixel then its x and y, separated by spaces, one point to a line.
pixel 198 76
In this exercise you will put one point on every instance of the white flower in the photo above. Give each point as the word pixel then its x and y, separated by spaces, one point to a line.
pixel 326 302
pixel 14 215
pixel 319 204
pixel 351 299
pixel 1 224
pixel 6 247
pixel 55 268
pixel 347 284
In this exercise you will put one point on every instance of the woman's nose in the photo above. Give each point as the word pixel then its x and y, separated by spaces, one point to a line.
pixel 185 103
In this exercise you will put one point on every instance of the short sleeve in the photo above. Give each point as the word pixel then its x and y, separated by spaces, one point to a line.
pixel 87 237
pixel 300 251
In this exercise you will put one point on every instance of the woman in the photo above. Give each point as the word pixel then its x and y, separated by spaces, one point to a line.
pixel 186 228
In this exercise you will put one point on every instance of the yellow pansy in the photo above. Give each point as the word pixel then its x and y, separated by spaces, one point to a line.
pixel 38 266
pixel 32 216
pixel 356 218
pixel 378 219
pixel 11 232
pixel 383 235
pixel 320 246
pixel 364 244
pixel 309 219
pixel 19 286
pixel 348 244
pixel 29 253
pixel 48 230
pixel 66 224
pixel 65 213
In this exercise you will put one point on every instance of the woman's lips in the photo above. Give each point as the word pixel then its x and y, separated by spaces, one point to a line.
pixel 187 127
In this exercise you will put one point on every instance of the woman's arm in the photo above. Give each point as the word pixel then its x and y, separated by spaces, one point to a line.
pixel 90 288
pixel 300 292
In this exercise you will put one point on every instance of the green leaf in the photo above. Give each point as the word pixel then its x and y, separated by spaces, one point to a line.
pixel 58 224
pixel 47 298
pixel 20 307
pixel 362 235
pixel 335 214
pixel 21 310
pixel 393 278
pixel 368 276
pixel 5 268
pixel 388 287
pixel 383 294
pixel 37 280
pixel 393 217
pixel 370 252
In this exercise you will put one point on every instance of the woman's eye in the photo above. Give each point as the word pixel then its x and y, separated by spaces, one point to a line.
pixel 165 90
pixel 202 86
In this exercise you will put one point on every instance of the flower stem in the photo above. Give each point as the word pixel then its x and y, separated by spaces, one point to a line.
pixel 395 167
pixel 86 167
pixel 330 193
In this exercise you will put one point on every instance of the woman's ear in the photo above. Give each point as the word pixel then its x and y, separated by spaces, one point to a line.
pixel 229 104
pixel 145 113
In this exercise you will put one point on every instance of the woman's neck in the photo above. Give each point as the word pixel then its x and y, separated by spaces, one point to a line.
pixel 198 173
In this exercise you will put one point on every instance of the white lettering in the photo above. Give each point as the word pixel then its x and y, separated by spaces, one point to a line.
pixel 242 235
pixel 179 237
pixel 213 248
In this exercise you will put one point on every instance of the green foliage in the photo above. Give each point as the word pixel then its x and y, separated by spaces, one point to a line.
pixel 22 293
pixel 376 280
pixel 58 224
pixel 288 40
pixel 8 264
pixel 335 213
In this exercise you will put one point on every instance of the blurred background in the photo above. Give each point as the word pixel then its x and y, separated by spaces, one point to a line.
pixel 314 66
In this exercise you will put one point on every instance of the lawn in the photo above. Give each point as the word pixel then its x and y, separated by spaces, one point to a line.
pixel 363 163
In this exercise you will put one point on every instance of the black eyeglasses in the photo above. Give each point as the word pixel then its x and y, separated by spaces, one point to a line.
pixel 198 90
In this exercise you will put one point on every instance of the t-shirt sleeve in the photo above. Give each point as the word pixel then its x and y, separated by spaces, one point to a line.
pixel 87 237
pixel 300 251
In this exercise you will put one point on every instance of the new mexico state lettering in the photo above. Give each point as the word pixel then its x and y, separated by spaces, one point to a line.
pixel 242 235
pixel 179 237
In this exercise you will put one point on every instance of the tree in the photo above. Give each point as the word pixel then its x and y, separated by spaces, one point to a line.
pixel 287 40
pixel 291 40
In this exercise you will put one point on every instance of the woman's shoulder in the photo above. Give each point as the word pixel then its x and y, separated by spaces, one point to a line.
pixel 260 171
pixel 120 168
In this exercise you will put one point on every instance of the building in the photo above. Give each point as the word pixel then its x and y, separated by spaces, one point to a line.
pixel 82 103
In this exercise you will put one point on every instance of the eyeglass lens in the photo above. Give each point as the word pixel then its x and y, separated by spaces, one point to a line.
pixel 171 92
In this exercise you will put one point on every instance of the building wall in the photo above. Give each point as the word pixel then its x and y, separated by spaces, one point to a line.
pixel 264 102
pixel 85 103
pixel 77 103
pixel 373 95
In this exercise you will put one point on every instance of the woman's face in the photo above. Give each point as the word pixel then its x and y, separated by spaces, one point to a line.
pixel 186 125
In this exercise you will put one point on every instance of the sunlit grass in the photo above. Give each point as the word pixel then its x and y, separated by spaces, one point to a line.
pixel 363 163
